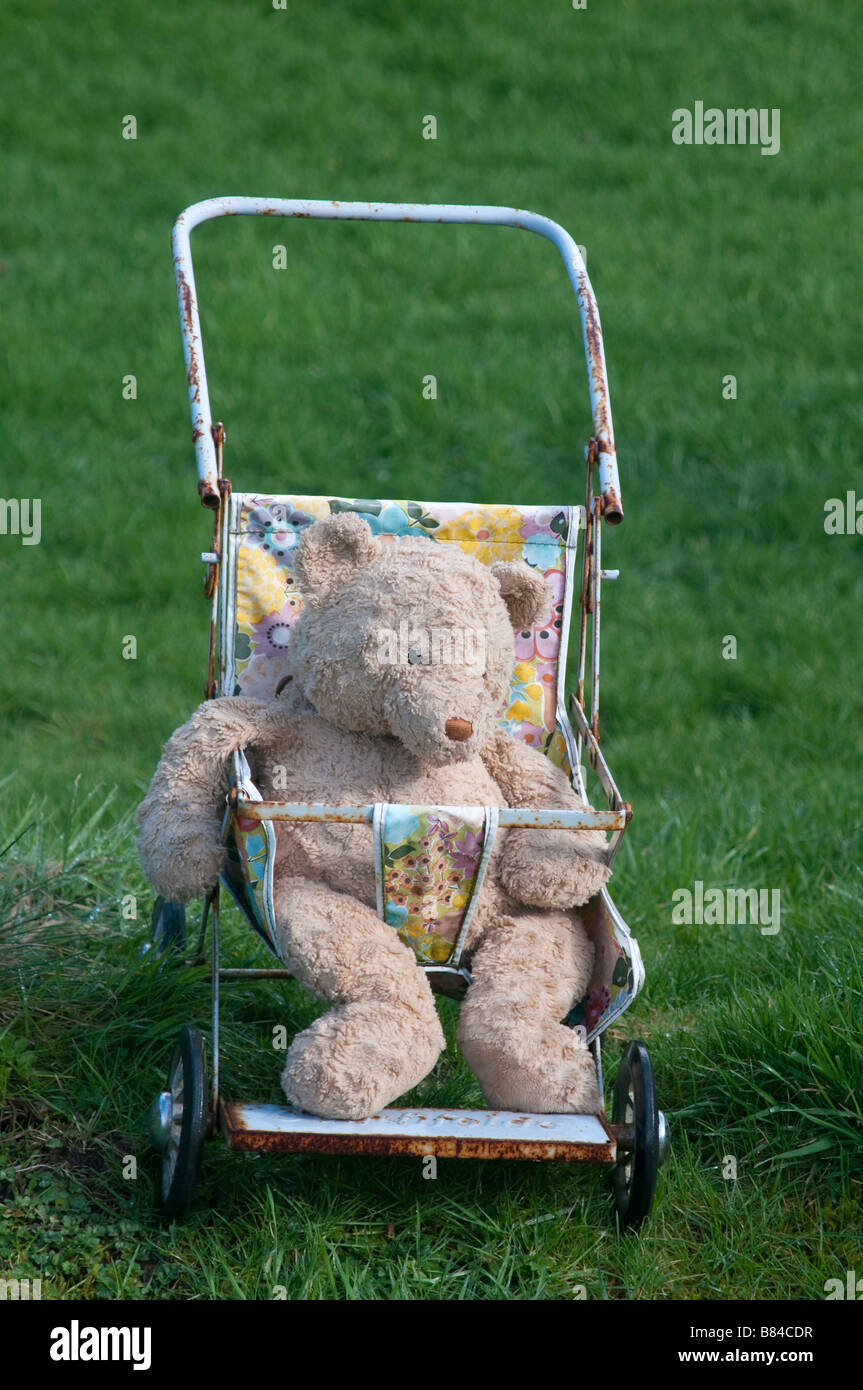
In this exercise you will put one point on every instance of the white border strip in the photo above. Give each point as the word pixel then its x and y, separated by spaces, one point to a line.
pixel 491 817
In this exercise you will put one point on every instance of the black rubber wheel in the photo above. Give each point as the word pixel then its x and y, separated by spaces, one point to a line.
pixel 634 1178
pixel 168 926
pixel 185 1121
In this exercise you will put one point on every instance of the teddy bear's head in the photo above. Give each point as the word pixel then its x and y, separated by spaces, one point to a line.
pixel 407 638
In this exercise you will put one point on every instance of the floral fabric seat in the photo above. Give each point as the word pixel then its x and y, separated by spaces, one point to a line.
pixel 257 606
pixel 263 603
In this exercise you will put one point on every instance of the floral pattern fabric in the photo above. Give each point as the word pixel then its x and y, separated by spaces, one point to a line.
pixel 429 860
pixel 246 868
pixel 266 534
pixel 612 977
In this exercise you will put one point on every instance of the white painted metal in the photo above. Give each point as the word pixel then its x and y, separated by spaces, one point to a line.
pixel 190 323
pixel 507 819
pixel 429 1123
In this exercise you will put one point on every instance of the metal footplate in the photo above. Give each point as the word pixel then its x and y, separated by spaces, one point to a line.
pixel 416 1133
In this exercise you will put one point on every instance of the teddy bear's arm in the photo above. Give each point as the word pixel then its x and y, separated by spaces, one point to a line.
pixel 180 818
pixel 544 868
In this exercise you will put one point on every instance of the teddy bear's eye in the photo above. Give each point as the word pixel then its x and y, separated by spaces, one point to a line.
pixel 415 656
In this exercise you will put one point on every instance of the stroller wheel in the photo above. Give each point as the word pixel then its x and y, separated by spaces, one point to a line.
pixel 641 1151
pixel 178 1121
pixel 168 927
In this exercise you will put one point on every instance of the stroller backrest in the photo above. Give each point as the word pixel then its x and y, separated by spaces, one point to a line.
pixel 260 602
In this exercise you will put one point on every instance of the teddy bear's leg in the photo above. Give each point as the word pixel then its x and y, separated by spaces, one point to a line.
pixel 384 1034
pixel 527 972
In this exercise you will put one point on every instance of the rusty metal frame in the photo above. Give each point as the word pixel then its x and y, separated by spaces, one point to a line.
pixel 590 606
pixel 405 1133
pixel 509 819
pixel 436 213
pixel 622 809
pixel 215 491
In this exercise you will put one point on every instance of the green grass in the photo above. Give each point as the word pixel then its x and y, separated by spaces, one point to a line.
pixel 742 773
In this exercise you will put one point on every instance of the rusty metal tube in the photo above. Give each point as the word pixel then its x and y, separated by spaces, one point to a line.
pixel 488 216
pixel 319 813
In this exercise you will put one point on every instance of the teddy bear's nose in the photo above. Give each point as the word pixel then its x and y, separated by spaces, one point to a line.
pixel 459 730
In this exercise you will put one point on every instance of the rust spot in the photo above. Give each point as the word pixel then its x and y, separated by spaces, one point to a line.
pixel 623 1135
pixel 186 299
pixel 593 343
pixel 185 295
pixel 208 494
pixel 591 329
pixel 587 571
pixel 612 507
pixel 256 810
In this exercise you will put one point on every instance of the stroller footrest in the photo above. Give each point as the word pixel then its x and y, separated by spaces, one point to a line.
pixel 418 1133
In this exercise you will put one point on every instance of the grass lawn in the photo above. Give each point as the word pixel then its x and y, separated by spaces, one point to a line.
pixel 707 262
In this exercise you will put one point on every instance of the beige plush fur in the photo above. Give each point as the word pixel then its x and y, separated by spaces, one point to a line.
pixel 358 723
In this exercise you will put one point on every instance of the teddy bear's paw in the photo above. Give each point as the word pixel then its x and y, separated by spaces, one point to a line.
pixel 182 871
pixel 551 869
pixel 588 873
pixel 550 1074
pixel 359 1058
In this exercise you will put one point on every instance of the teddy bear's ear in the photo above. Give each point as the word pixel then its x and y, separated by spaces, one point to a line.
pixel 524 591
pixel 331 551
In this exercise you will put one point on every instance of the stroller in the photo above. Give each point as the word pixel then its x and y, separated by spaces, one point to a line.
pixel 249 570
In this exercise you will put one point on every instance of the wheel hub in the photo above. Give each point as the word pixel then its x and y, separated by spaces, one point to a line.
pixel 160 1119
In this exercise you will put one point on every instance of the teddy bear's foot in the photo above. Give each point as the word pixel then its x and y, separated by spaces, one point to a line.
pixel 552 1072
pixel 527 972
pixel 360 1057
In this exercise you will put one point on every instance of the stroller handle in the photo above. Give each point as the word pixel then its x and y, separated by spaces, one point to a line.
pixel 190 323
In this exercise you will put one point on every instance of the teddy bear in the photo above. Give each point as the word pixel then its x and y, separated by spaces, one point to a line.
pixel 356 720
